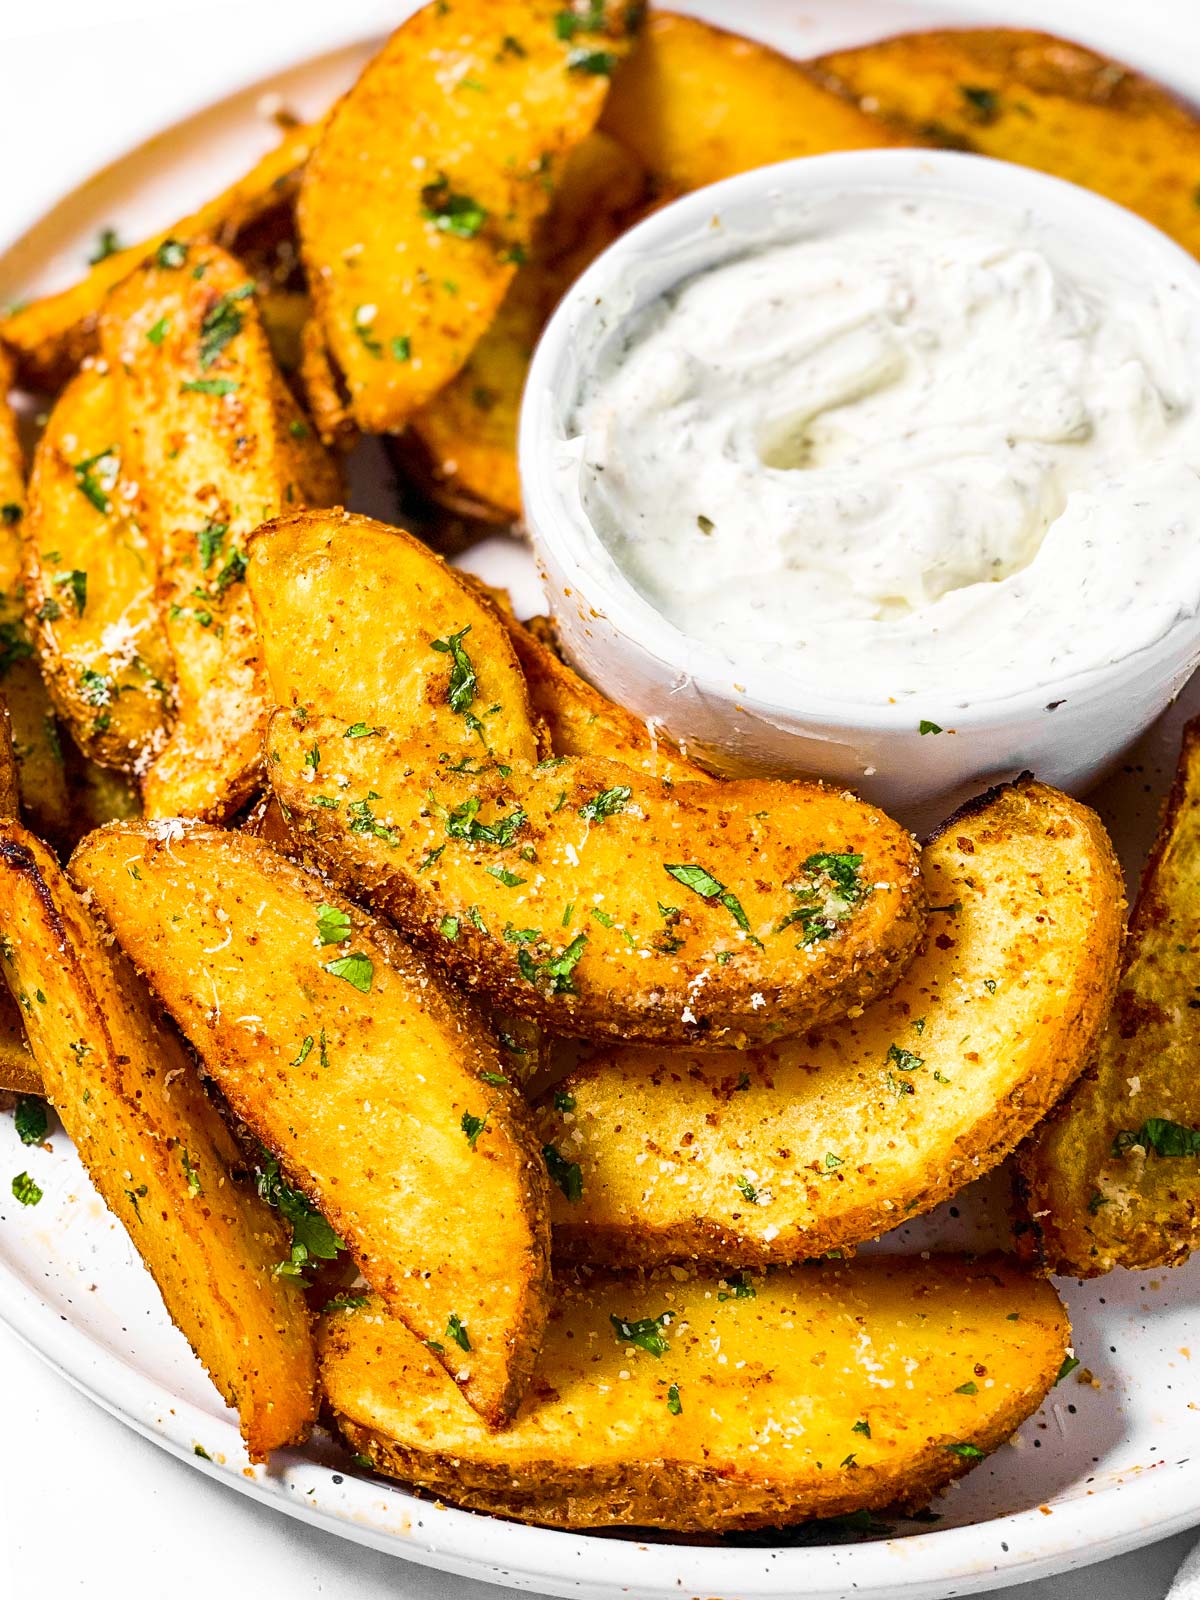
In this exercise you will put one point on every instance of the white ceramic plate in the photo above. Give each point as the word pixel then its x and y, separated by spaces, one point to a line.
pixel 1101 1469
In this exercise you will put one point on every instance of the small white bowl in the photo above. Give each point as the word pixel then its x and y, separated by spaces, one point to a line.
pixel 731 716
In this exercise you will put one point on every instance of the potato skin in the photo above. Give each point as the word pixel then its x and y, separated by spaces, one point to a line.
pixel 1037 100
pixel 576 919
pixel 846 1131
pixel 101 647
pixel 157 1150
pixel 1089 1205
pixel 216 444
pixel 380 1091
pixel 696 104
pixel 770 1434
pixel 425 188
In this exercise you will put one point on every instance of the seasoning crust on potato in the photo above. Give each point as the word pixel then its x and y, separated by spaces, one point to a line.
pixel 823 1141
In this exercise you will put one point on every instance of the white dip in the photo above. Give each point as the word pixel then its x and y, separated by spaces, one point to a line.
pixel 918 447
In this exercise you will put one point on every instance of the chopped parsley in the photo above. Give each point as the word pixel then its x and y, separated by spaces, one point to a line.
pixel 863 1427
pixel 26 1190
pixel 450 212
pixel 29 1119
pixel 401 347
pixel 305 1051
pixel 159 331
pixel 925 726
pixel 510 880
pixel 333 926
pixel 472 1127
pixel 210 538
pixel 463 683
pixel 826 897
pixel 448 927
pixel 700 881
pixel 904 1060
pixel 461 824
pixel 746 1189
pixel 970 1387
pixel 222 323
pixel 362 820
pixel 364 316
pixel 76 582
pixel 555 971
pixel 969 1452
pixel 356 969
pixel 312 1237
pixel 1068 1367
pixel 982 104
pixel 360 730
pixel 96 477
pixel 562 1101
pixel 646 1333
pixel 607 804
pixel 217 386
pixel 738 1287
pixel 1160 1137
pixel 568 1175
pixel 595 63
pixel 674 1403
pixel 191 1173
pixel 107 244
pixel 171 255
pixel 456 1331
pixel 10 514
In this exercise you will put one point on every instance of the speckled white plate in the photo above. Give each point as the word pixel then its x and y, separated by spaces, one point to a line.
pixel 1103 1467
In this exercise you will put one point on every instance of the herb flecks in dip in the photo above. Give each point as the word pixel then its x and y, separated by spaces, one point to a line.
pixel 916 445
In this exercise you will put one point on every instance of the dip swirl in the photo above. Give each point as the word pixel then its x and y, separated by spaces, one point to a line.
pixel 915 446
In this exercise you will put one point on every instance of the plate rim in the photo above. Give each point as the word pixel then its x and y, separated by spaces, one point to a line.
pixel 1155 1501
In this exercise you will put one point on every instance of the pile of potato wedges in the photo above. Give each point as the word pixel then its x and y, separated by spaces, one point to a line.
pixel 474 1073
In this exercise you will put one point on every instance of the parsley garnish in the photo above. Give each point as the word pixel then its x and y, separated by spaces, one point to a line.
pixel 472 1127
pixel 738 1287
pixel 463 682
pixel 29 1119
pixel 828 897
pixel 746 1189
pixel 646 1333
pixel 305 1051
pixel 925 726
pixel 970 1387
pixel 333 926
pixel 107 244
pixel 210 538
pixel 568 1175
pixel 456 1331
pixel 191 1173
pixel 510 880
pixel 25 1190
pixel 222 323
pixel 563 1101
pixel 453 213
pixel 700 881
pixel 1159 1136
pixel 970 1452
pixel 356 969
pixel 360 730
pixel 596 63
pixel 448 928
pixel 1068 1367
pixel 76 581
pixel 159 331
pixel 555 971
pixel 171 255
pixel 96 477
pixel 311 1234
pixel 606 804
pixel 674 1403
pixel 904 1060
pixel 217 386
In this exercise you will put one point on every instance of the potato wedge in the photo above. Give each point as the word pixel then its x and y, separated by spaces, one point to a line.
pixel 376 1087
pixel 635 1419
pixel 216 445
pixel 1039 101
pixel 780 1154
pixel 580 721
pixel 424 190
pixel 90 578
pixel 604 904
pixel 34 731
pixel 18 1071
pixel 696 104
pixel 156 1149
pixel 468 432
pixel 1112 1178
pixel 52 335
pixel 353 616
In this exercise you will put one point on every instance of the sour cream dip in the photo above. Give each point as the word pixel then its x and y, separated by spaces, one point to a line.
pixel 910 444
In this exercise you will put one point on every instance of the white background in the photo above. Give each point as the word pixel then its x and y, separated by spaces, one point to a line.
pixel 87 1507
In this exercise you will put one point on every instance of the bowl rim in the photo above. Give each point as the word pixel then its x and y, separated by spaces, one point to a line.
pixel 564 542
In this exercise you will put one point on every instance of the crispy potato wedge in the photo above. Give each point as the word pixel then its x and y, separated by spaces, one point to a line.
pixel 580 721
pixel 156 1149
pixel 34 731
pixel 816 1144
pixel 90 578
pixel 696 104
pixel 1039 101
pixel 376 1087
pixel 636 1419
pixel 468 432
pixel 10 790
pixel 604 904
pixel 216 445
pixel 18 1071
pixel 51 336
pixel 424 190
pixel 355 617
pixel 1112 1179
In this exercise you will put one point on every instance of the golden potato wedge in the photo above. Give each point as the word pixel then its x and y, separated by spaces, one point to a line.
pixel 355 616
pixel 422 195
pixel 821 1142
pixel 90 578
pixel 1112 1178
pixel 10 790
pixel 216 445
pixel 605 904
pixel 580 721
pixel 703 1404
pixel 156 1148
pixel 52 335
pixel 377 1088
pixel 468 432
pixel 18 1071
pixel 34 731
pixel 1039 101
pixel 696 104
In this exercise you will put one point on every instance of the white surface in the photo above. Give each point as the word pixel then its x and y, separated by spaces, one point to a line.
pixel 85 1506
